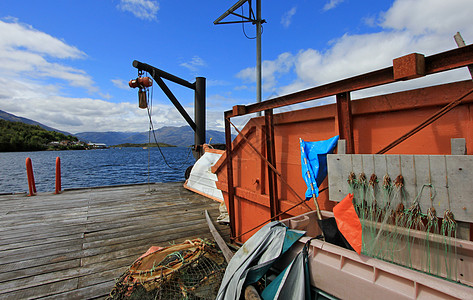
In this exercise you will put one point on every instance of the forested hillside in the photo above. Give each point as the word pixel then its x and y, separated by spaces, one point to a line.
pixel 17 136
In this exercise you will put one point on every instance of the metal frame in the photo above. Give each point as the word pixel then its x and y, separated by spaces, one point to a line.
pixel 440 62
pixel 199 98
pixel 258 22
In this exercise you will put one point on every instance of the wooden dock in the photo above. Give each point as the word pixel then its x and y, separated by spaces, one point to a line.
pixel 75 244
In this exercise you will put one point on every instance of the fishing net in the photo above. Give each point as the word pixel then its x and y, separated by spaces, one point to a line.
pixel 395 229
pixel 191 270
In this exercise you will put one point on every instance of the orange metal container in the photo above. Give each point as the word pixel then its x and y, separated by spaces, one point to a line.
pixel 368 125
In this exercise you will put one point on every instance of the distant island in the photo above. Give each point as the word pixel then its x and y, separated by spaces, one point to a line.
pixel 125 145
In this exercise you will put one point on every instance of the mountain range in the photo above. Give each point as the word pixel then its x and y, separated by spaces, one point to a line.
pixel 178 136
pixel 12 118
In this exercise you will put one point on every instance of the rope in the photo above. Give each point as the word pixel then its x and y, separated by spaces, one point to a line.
pixel 151 129
pixel 268 163
pixel 278 215
pixel 426 123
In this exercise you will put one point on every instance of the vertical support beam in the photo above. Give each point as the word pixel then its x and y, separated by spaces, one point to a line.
pixel 271 156
pixel 345 120
pixel 258 54
pixel 263 164
pixel 231 191
pixel 199 111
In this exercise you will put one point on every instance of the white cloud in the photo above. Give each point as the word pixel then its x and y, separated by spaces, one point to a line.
pixel 423 26
pixel 82 114
pixel 428 16
pixel 332 4
pixel 25 51
pixel 195 63
pixel 271 69
pixel 121 84
pixel 216 82
pixel 22 36
pixel 29 58
pixel 106 96
pixel 142 9
pixel 286 19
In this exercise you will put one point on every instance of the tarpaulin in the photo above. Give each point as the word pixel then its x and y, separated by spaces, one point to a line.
pixel 255 258
pixel 348 222
pixel 314 163
pixel 293 283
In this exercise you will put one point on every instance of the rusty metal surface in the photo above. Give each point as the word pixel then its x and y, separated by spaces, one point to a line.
pixel 367 124
pixel 345 120
pixel 271 157
pixel 444 61
pixel 409 66
pixel 230 192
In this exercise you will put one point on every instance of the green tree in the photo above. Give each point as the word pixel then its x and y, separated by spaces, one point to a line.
pixel 17 136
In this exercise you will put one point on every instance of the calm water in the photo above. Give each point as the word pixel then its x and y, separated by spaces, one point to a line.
pixel 88 168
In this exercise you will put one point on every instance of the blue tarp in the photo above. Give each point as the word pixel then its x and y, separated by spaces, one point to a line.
pixel 314 162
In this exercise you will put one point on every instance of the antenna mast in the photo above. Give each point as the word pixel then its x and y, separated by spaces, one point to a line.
pixel 258 22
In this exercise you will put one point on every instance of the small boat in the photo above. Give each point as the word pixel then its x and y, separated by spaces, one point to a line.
pixel 201 179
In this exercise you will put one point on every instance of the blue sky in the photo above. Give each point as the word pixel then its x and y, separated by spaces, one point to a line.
pixel 66 64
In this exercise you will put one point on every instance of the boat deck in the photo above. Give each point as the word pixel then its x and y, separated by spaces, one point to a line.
pixel 75 244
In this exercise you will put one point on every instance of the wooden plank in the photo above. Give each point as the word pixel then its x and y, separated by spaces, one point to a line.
pixel 338 177
pixel 75 244
pixel 227 253
pixel 460 188
pixel 38 270
pixel 88 292
pixel 107 277
pixel 441 181
pixel 42 261
pixel 43 241
pixel 42 290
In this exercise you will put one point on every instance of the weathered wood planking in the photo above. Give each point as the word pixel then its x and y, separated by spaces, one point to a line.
pixel 74 245
pixel 450 175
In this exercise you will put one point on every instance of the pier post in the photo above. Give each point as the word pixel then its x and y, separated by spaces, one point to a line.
pixel 58 176
pixel 29 173
pixel 199 111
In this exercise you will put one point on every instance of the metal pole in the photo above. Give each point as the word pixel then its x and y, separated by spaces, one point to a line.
pixel 258 53
pixel 271 156
pixel 231 191
pixel 199 111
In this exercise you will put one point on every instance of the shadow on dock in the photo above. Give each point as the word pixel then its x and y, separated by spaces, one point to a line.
pixel 74 245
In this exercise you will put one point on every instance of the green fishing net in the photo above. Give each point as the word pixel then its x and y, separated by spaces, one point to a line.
pixel 397 230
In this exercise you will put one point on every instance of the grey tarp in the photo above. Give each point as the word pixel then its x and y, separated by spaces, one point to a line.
pixel 293 283
pixel 255 257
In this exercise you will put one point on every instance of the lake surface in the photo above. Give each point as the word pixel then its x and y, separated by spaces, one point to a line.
pixel 89 168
